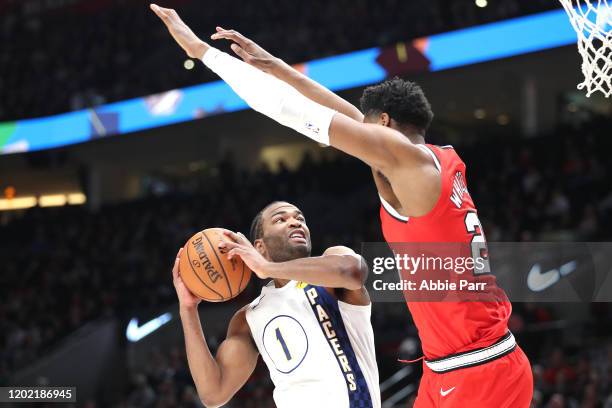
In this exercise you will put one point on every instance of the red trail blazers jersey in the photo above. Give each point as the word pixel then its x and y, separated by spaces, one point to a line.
pixel 449 327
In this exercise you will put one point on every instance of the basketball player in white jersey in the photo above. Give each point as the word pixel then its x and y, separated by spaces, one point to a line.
pixel 311 323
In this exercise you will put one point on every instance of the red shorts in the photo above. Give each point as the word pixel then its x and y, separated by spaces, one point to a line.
pixel 504 382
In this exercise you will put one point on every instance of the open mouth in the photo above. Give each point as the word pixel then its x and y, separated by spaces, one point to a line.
pixel 298 236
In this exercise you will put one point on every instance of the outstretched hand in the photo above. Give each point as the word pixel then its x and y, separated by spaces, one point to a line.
pixel 239 245
pixel 182 34
pixel 248 50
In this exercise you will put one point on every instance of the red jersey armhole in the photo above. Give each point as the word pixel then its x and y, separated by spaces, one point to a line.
pixel 443 187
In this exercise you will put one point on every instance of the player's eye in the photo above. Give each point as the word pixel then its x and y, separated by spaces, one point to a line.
pixel 276 221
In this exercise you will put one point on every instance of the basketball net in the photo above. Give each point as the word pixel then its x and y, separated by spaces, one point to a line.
pixel 592 21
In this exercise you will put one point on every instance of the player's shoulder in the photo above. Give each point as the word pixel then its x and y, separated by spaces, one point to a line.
pixel 444 154
pixel 254 303
pixel 339 250
pixel 238 325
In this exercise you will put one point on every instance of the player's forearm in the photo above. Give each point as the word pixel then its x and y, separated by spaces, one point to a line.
pixel 204 369
pixel 378 146
pixel 332 271
pixel 315 91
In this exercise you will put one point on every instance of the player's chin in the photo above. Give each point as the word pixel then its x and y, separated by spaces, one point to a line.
pixel 301 247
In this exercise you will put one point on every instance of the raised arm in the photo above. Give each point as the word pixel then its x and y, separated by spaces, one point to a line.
pixel 255 55
pixel 403 163
pixel 338 267
pixel 218 378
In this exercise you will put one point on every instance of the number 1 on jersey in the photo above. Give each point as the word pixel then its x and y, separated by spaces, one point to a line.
pixel 280 339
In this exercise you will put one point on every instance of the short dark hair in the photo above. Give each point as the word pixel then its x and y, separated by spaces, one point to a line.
pixel 402 100
pixel 256 231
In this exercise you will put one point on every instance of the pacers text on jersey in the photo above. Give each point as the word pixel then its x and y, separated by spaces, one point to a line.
pixel 332 338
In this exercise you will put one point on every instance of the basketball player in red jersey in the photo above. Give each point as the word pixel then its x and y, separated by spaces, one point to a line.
pixel 471 359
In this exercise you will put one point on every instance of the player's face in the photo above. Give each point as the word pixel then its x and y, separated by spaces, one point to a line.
pixel 285 233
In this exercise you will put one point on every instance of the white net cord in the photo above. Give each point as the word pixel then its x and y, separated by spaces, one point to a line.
pixel 592 21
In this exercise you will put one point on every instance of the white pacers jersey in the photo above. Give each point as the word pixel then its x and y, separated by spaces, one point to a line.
pixel 320 351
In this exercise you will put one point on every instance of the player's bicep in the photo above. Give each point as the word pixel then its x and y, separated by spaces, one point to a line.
pixel 237 357
pixel 358 296
pixel 378 146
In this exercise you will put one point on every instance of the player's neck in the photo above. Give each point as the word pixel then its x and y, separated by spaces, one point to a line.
pixel 412 133
pixel 415 138
pixel 279 283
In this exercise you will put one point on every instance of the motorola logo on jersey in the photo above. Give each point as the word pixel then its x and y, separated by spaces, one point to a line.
pixel 332 338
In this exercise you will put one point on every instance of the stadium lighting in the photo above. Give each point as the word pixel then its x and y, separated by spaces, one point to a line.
pixel 188 64
pixel 76 198
pixel 17 203
pixel 481 3
pixel 503 119
pixel 55 200
pixel 480 113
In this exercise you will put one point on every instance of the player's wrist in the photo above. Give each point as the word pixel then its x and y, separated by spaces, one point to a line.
pixel 199 49
pixel 279 68
pixel 265 269
pixel 188 308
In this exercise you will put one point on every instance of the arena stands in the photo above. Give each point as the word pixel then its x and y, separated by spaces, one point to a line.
pixel 67 266
pixel 62 56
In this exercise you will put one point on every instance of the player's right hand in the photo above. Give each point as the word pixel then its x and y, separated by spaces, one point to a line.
pixel 248 50
pixel 182 34
pixel 186 298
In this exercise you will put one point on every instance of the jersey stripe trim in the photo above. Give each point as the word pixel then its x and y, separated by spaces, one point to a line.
pixel 392 211
pixel 504 346
pixel 326 311
pixel 432 154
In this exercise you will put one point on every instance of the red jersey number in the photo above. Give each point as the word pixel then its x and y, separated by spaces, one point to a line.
pixel 478 244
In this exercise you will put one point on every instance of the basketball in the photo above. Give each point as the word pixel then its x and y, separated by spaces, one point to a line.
pixel 207 272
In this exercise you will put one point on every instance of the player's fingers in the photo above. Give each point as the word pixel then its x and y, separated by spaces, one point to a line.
pixel 231 36
pixel 243 240
pixel 163 13
pixel 226 246
pixel 232 253
pixel 240 238
pixel 241 53
pixel 225 35
pixel 175 269
pixel 231 235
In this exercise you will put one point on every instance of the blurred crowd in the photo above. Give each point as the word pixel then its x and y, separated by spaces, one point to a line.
pixel 579 379
pixel 71 54
pixel 63 267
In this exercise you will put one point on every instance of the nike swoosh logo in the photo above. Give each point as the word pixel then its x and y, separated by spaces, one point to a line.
pixel 135 333
pixel 445 393
pixel 538 281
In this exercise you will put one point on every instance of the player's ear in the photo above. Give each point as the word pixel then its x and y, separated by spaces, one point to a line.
pixel 260 247
pixel 384 119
